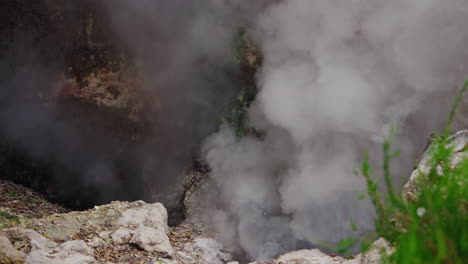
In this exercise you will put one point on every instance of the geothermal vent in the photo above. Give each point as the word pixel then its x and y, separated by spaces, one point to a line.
pixel 247 117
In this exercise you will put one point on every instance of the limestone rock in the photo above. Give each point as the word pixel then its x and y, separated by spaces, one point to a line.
pixel 165 261
pixel 211 251
pixel 45 251
pixel 152 240
pixel 35 240
pixel 70 252
pixel 41 257
pixel 102 219
pixel 314 256
pixel 306 256
pixel 122 235
pixel 107 231
pixel 105 234
pixel 76 246
pixel 8 254
pixel 202 251
pixel 96 242
pixel 152 215
pixel 374 254
pixel 186 254
pixel 458 141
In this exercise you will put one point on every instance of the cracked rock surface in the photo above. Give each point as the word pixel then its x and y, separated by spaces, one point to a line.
pixel 120 232
pixel 137 232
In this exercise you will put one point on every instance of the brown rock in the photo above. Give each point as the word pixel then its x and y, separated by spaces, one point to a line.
pixel 8 254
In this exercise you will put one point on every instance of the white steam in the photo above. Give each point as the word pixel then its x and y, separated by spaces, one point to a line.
pixel 335 75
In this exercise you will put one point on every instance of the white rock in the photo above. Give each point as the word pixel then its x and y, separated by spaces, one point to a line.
pixel 122 235
pixel 374 254
pixel 37 241
pixel 105 234
pixel 76 246
pixel 152 215
pixel 112 213
pixel 211 251
pixel 458 141
pixel 315 256
pixel 186 257
pixel 70 252
pixel 308 256
pixel 188 247
pixel 96 242
pixel 152 240
pixel 164 261
pixel 42 257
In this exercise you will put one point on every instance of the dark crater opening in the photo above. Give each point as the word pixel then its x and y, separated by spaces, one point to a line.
pixel 76 123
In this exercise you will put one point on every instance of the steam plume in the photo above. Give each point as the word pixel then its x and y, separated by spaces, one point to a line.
pixel 181 50
pixel 336 74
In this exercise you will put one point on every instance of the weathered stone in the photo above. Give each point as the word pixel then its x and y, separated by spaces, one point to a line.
pixel 122 235
pixel 211 251
pixel 458 141
pixel 35 240
pixel 102 219
pixel 44 251
pixel 308 256
pixel 70 252
pixel 374 254
pixel 8 254
pixel 105 234
pixel 152 215
pixel 96 242
pixel 77 246
pixel 41 257
pixel 114 226
pixel 165 261
pixel 152 240
pixel 314 256
pixel 187 256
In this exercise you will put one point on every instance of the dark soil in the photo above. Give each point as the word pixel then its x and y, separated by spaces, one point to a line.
pixel 17 201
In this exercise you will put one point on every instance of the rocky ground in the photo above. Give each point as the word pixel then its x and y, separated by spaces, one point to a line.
pixel 120 232
pixel 33 230
pixel 17 201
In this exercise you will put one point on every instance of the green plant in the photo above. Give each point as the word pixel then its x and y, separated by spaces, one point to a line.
pixel 249 59
pixel 434 227
pixel 11 194
pixel 7 220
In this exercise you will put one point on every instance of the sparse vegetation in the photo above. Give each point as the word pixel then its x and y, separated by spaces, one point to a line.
pixel 434 227
pixel 18 202
pixel 7 220
pixel 249 58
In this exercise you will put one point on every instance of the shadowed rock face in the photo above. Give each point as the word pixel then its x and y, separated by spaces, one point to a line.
pixel 75 119
pixel 63 76
pixel 459 142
